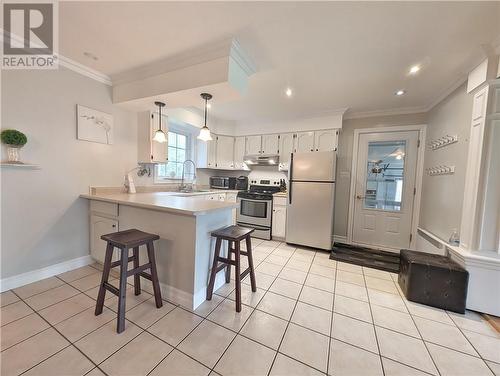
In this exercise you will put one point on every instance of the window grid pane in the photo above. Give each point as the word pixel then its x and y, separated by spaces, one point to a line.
pixel 177 154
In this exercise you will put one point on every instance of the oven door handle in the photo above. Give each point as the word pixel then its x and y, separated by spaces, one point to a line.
pixel 256 227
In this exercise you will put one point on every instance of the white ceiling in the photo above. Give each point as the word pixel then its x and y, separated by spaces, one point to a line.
pixel 333 54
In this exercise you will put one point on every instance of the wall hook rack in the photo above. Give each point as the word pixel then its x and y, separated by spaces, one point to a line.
pixel 442 141
pixel 440 170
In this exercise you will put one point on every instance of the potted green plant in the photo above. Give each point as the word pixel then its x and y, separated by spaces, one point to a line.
pixel 14 141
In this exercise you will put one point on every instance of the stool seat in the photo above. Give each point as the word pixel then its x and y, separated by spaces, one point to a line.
pixel 129 238
pixel 233 233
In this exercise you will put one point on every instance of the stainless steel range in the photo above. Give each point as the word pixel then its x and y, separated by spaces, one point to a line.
pixel 256 206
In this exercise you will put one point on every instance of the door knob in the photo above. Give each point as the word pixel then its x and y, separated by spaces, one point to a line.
pixel 359 197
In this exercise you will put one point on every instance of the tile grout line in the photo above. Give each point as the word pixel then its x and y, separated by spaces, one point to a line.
pixel 330 339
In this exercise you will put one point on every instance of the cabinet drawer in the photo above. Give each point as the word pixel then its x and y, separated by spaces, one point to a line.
pixel 279 201
pixel 104 207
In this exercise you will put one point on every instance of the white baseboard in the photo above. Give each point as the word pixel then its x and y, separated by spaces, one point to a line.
pixel 39 274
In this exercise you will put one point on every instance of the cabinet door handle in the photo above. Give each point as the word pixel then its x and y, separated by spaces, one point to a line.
pixel 114 226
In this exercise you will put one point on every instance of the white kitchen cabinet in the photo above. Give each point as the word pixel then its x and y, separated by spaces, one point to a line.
pixel 221 197
pixel 304 141
pixel 286 148
pixel 270 144
pixel 212 197
pixel 279 218
pixel 253 144
pixel 326 140
pixel 212 153
pixel 239 153
pixel 225 152
pixel 149 150
pixel 100 225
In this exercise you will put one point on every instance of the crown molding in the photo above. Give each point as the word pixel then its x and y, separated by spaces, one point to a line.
pixel 241 57
pixel 388 112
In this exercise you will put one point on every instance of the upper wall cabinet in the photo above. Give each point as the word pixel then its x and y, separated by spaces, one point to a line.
pixel 253 145
pixel 286 148
pixel 225 152
pixel 304 141
pixel 270 144
pixel 149 150
pixel 239 153
pixel 326 140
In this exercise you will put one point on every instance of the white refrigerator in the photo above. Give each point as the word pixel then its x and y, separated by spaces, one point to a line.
pixel 311 191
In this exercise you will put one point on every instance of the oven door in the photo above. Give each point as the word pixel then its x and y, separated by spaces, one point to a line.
pixel 256 212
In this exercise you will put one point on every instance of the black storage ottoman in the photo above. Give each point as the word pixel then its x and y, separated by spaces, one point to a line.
pixel 433 280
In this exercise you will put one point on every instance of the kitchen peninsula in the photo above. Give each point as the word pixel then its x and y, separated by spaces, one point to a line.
pixel 183 221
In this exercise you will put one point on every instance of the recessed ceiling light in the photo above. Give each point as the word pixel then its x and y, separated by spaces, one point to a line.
pixel 288 92
pixel 400 93
pixel 90 55
pixel 415 69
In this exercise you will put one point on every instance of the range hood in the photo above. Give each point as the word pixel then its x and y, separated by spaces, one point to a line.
pixel 261 160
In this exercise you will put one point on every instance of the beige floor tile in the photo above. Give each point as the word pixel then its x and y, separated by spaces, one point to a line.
pixel 8 297
pixel 178 364
pixel 94 291
pixel 405 349
pixel 67 308
pixel 392 368
pixel 349 360
pixel 285 366
pixel 268 268
pixel 354 278
pixel 286 288
pixel 265 329
pixel 319 282
pixel 68 362
pixel 205 308
pixel 75 274
pixel 27 354
pixel 293 275
pixel 316 297
pixel 245 357
pixel 312 317
pixel 138 357
pixel 37 287
pixel 87 282
pixel 381 285
pixel 21 329
pixel 355 332
pixel 349 267
pixel 275 259
pixel 226 289
pixel 176 325
pixel 277 305
pixel 103 342
pixel 225 314
pixel 146 313
pixel 298 265
pixel 443 334
pixel 52 296
pixel 306 346
pixel 132 300
pixel 85 322
pixel 207 343
pixel 473 322
pixel 95 372
pixel 283 252
pixel 495 367
pixel 263 281
pixel 304 254
pixel 386 299
pixel 14 311
pixel 352 307
pixel 377 273
pixel 452 363
pixel 322 271
pixel 427 312
pixel 488 347
pixel 248 297
pixel 395 320
pixel 351 290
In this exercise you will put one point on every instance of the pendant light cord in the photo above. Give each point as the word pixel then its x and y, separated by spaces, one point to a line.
pixel 159 119
pixel 206 103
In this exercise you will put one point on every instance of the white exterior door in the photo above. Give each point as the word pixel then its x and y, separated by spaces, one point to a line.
pixel 270 144
pixel 304 141
pixel 253 144
pixel 385 189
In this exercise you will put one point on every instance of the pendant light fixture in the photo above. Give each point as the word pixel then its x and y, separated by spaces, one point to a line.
pixel 160 136
pixel 205 132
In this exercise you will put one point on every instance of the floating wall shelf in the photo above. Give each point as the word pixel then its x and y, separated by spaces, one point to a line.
pixel 442 142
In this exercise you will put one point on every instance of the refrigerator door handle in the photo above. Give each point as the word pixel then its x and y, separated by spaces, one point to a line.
pixel 290 179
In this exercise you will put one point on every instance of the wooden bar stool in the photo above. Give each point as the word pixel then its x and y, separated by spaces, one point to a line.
pixel 124 240
pixel 233 234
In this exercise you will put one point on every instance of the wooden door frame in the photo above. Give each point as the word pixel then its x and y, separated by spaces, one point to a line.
pixel 421 128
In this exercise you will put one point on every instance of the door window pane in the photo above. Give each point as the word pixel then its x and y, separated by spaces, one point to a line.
pixel 385 175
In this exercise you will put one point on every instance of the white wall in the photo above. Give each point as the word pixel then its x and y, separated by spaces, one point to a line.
pixel 442 195
pixel 43 220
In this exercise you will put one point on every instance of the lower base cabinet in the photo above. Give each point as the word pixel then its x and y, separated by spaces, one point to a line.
pixel 279 222
pixel 99 226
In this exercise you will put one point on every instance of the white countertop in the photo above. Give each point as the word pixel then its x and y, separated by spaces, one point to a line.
pixel 280 194
pixel 174 202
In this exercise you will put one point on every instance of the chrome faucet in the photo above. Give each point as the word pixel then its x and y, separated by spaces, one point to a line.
pixel 183 186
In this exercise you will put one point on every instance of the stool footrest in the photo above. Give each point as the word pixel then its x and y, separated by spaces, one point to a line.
pixel 138 270
pixel 146 275
pixel 111 288
pixel 245 273
pixel 226 260
pixel 114 264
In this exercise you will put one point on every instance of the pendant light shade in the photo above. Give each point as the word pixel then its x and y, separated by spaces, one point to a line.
pixel 205 132
pixel 160 136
